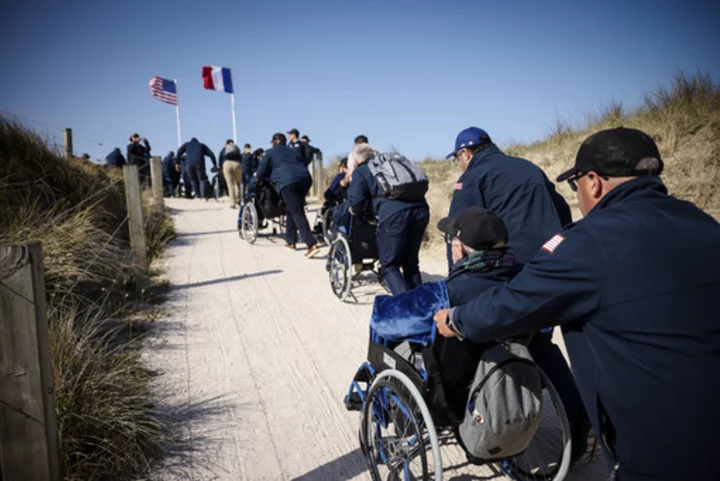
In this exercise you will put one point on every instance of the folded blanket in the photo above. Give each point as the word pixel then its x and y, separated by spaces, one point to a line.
pixel 408 316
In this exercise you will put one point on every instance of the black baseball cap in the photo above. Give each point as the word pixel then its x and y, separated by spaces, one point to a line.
pixel 477 228
pixel 615 153
pixel 280 137
pixel 293 131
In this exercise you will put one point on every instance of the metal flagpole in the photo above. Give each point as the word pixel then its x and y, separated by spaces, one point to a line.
pixel 177 114
pixel 232 106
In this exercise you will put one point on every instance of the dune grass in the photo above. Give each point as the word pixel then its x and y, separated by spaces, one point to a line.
pixel 108 428
pixel 683 117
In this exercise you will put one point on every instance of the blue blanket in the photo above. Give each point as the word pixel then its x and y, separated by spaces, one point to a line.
pixel 408 316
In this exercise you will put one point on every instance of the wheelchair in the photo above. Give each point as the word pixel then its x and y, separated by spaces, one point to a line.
pixel 402 430
pixel 261 207
pixel 352 254
pixel 323 226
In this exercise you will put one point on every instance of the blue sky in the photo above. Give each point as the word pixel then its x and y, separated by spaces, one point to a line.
pixel 408 74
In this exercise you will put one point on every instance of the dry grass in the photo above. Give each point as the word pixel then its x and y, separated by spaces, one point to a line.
pixel 683 118
pixel 107 426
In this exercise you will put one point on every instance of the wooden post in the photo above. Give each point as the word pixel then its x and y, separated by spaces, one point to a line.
pixel 136 225
pixel 28 426
pixel 320 175
pixel 67 136
pixel 158 187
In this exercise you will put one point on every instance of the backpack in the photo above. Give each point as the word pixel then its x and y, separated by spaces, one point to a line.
pixel 397 177
pixel 504 406
pixel 232 152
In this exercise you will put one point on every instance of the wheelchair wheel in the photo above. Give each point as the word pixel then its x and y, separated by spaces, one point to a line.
pixel 249 222
pixel 340 267
pixel 547 458
pixel 216 188
pixel 397 432
pixel 327 232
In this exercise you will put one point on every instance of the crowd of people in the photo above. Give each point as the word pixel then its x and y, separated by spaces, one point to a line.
pixel 633 285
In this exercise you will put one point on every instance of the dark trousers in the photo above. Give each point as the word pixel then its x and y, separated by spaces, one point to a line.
pixel 294 197
pixel 245 183
pixel 199 179
pixel 399 238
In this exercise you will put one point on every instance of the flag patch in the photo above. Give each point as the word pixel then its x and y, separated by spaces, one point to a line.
pixel 458 186
pixel 553 243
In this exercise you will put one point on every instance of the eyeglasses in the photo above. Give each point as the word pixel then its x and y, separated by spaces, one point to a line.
pixel 448 238
pixel 572 181
pixel 456 157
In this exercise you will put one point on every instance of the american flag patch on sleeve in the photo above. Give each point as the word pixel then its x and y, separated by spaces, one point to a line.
pixel 553 243
pixel 458 186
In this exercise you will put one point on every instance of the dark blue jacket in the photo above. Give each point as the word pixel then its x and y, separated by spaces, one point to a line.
pixel 303 149
pixel 519 193
pixel 249 164
pixel 168 167
pixel 283 166
pixel 365 199
pixel 635 285
pixel 195 153
pixel 115 159
pixel 336 192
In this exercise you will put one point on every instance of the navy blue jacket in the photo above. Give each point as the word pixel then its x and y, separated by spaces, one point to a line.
pixel 365 199
pixel 283 166
pixel 249 164
pixel 635 285
pixel 115 159
pixel 304 150
pixel 519 193
pixel 336 192
pixel 138 153
pixel 168 167
pixel 195 153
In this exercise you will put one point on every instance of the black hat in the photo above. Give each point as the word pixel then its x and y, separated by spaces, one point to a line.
pixel 305 137
pixel 294 131
pixel 615 153
pixel 280 137
pixel 477 228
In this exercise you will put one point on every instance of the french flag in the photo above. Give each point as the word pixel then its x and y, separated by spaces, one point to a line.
pixel 217 78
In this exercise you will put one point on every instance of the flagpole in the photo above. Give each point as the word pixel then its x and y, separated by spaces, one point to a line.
pixel 232 106
pixel 177 114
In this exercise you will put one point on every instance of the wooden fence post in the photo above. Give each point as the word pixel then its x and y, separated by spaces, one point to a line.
pixel 158 186
pixel 320 175
pixel 136 225
pixel 67 137
pixel 28 426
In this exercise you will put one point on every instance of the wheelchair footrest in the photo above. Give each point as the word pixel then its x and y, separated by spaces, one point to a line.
pixel 353 402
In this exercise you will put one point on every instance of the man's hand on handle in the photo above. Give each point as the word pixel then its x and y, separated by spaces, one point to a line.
pixel 441 322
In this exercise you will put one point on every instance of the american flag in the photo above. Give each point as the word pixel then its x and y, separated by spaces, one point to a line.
pixel 164 90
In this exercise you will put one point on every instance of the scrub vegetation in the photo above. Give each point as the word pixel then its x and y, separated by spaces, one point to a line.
pixel 97 315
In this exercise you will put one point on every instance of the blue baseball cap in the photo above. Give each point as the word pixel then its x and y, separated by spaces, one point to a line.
pixel 468 137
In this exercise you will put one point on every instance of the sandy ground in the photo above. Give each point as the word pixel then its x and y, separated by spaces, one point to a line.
pixel 257 355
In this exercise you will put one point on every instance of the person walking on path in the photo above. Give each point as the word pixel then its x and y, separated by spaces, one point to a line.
pixel 115 159
pixel 401 224
pixel 634 285
pixel 285 168
pixel 301 147
pixel 248 164
pixel 171 174
pixel 195 153
pixel 230 159
pixel 138 153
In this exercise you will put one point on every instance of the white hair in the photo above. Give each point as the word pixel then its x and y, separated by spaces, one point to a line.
pixel 362 153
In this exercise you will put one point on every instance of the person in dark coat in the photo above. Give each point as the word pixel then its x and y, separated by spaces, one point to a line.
pixel 285 168
pixel 171 173
pixel 195 153
pixel 311 150
pixel 401 224
pixel 248 165
pixel 138 153
pixel 115 159
pixel 295 143
pixel 515 189
pixel 634 285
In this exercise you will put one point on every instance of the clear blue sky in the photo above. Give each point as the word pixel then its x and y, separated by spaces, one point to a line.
pixel 410 74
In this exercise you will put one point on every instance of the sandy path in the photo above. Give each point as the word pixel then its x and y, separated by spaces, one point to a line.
pixel 257 355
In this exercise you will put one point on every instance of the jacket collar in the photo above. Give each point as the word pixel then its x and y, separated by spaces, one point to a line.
pixel 650 186
pixel 483 154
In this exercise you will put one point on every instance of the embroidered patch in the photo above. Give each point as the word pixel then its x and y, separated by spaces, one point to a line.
pixel 553 243
pixel 458 186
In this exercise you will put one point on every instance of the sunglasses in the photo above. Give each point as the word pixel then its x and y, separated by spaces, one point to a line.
pixel 572 181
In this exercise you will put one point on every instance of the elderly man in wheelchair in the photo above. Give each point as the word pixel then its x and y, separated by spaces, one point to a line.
pixel 498 400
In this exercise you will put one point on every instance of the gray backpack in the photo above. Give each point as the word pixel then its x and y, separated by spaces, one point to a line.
pixel 504 406
pixel 397 177
pixel 232 152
